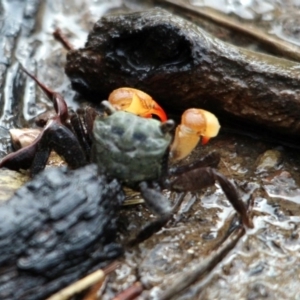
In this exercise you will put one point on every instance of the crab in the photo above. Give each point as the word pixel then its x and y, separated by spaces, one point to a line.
pixel 131 147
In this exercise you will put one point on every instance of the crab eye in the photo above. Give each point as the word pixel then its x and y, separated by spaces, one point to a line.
pixel 167 126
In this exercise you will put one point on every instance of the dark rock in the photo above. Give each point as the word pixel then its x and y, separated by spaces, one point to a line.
pixel 56 229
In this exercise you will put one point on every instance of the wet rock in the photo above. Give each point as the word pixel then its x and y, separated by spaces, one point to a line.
pixel 268 161
pixel 182 66
pixel 63 226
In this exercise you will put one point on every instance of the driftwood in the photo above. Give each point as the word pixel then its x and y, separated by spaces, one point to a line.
pixel 63 225
pixel 182 66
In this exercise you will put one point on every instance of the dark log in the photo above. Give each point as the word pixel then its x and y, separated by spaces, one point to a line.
pixel 182 66
pixel 56 229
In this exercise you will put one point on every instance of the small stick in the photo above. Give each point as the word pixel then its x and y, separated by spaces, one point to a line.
pixel 130 293
pixel 133 202
pixel 95 291
pixel 83 283
pixel 203 268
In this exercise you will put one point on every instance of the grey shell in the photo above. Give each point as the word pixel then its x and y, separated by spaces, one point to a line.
pixel 128 147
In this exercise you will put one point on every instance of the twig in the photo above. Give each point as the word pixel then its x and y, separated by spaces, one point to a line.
pixel 130 293
pixel 203 268
pixel 281 47
pixel 83 283
pixel 133 202
pixel 226 167
pixel 95 291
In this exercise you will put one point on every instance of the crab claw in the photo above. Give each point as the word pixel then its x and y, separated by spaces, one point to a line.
pixel 137 102
pixel 195 124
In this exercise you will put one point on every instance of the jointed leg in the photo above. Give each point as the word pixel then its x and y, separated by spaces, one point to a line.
pixel 199 178
pixel 159 205
pixel 59 138
pixel 210 160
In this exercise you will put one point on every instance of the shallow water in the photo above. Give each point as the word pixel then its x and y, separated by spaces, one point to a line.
pixel 265 261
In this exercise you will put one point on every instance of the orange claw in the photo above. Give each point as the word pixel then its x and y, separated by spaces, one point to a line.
pixel 195 123
pixel 137 102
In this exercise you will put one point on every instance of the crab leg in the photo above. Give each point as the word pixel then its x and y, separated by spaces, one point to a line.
pixel 199 178
pixel 210 160
pixel 55 135
pixel 195 124
pixel 59 138
pixel 157 203
pixel 58 101
pixel 137 102
pixel 21 159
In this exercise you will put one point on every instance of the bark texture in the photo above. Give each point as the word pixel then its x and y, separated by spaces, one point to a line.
pixel 63 226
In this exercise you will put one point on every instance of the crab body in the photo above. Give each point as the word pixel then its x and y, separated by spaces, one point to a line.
pixel 129 148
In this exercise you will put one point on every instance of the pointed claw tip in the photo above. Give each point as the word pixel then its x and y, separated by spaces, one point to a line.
pixel 205 140
pixel 158 111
